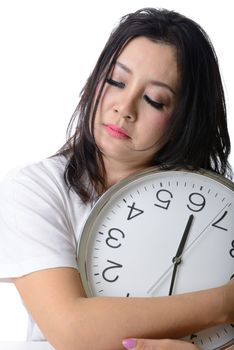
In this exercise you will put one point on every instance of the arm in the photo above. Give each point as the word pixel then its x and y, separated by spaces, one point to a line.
pixel 158 344
pixel 161 344
pixel 70 321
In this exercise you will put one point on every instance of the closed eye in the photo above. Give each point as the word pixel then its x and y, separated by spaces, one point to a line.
pixel 154 104
pixel 116 83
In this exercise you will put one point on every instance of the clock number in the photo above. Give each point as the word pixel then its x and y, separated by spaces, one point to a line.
pixel 231 251
pixel 114 266
pixel 197 202
pixel 134 211
pixel 218 221
pixel 111 240
pixel 164 197
pixel 193 337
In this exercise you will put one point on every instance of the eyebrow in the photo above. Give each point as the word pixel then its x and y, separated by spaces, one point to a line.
pixel 153 82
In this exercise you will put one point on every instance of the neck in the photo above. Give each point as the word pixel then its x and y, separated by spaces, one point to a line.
pixel 117 171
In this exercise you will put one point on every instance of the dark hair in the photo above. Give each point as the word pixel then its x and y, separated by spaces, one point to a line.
pixel 198 135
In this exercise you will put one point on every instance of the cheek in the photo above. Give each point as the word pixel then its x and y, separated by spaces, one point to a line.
pixel 159 124
pixel 101 101
pixel 155 130
pixel 103 97
pixel 103 94
pixel 98 88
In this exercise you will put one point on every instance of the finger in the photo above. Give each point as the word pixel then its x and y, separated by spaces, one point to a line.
pixel 129 343
pixel 157 344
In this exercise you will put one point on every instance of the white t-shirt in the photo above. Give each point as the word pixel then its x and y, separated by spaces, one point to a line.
pixel 40 223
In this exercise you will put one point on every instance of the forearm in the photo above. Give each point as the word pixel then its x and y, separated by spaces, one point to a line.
pixel 70 321
pixel 106 321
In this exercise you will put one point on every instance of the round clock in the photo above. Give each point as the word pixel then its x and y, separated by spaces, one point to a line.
pixel 161 233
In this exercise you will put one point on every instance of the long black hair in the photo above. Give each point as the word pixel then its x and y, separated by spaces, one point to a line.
pixel 198 135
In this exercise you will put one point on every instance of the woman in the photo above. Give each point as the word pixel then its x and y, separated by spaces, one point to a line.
pixel 155 97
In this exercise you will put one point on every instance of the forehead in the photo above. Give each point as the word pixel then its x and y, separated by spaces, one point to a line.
pixel 154 60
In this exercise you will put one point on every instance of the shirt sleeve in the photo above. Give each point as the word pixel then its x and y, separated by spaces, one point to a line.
pixel 35 230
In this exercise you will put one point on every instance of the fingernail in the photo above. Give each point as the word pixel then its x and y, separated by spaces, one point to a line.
pixel 129 343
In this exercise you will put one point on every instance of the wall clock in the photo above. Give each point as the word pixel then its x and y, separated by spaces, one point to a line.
pixel 161 233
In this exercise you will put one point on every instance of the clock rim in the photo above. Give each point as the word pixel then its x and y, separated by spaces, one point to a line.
pixel 112 191
pixel 103 200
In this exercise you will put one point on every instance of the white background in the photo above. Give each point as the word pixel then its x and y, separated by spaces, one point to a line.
pixel 48 48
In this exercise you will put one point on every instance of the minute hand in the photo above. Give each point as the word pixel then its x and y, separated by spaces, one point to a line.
pixel 177 258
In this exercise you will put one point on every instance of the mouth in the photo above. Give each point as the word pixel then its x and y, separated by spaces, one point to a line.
pixel 116 131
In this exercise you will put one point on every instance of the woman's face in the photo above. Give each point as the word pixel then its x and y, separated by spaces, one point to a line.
pixel 137 102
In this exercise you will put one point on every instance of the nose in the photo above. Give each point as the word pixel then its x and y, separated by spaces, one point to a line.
pixel 126 108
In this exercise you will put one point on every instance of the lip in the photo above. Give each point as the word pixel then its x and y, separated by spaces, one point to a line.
pixel 116 131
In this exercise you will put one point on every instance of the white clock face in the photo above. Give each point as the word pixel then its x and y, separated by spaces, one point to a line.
pixel 133 234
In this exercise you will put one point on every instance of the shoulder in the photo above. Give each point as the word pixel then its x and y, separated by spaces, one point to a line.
pixel 49 168
pixel 39 218
pixel 44 178
pixel 34 193
pixel 38 191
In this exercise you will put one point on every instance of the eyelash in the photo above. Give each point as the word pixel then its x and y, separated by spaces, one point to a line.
pixel 115 83
pixel 154 104
pixel 148 100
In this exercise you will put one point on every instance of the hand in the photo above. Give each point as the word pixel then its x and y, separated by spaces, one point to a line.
pixel 158 344
pixel 177 258
pixel 229 300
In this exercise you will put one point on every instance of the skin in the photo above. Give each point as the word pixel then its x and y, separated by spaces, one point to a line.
pixel 144 72
pixel 158 344
pixel 128 130
pixel 162 344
